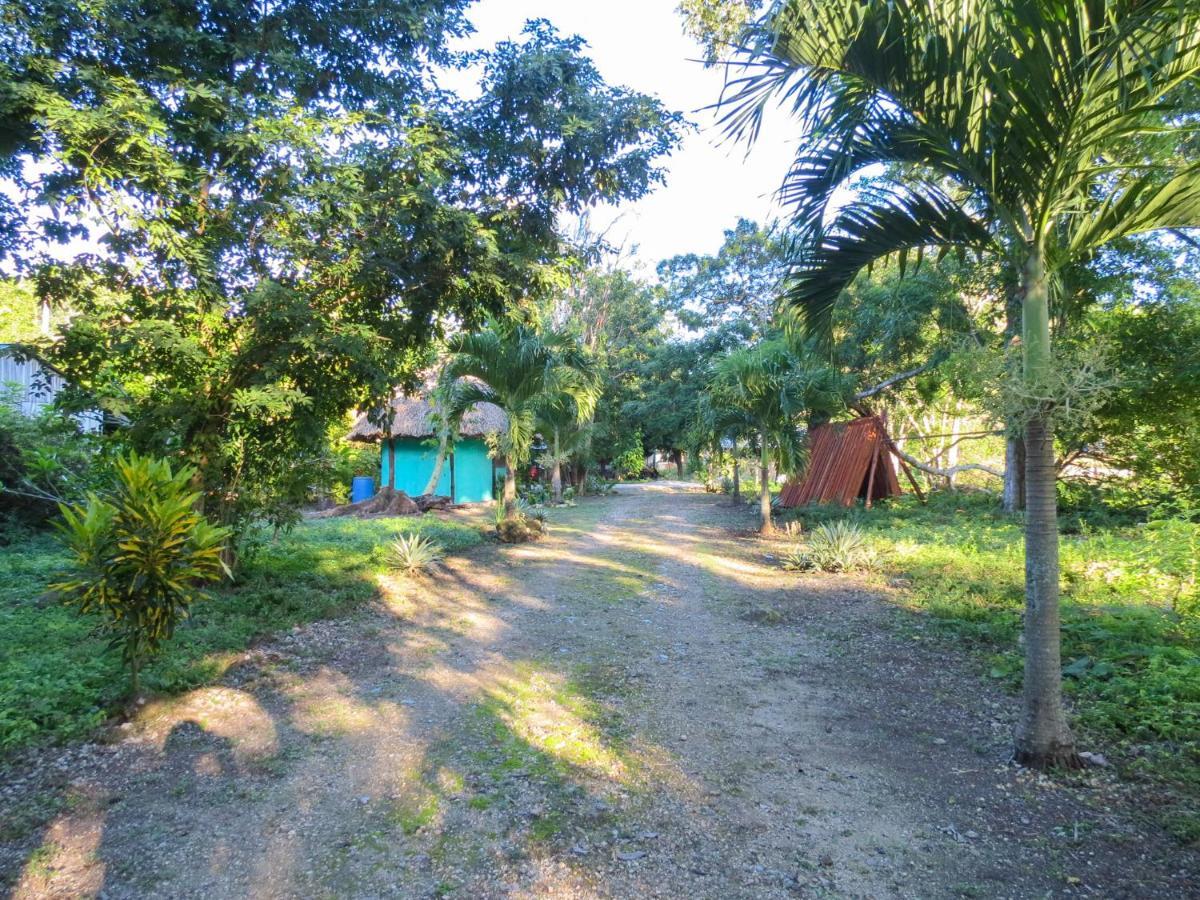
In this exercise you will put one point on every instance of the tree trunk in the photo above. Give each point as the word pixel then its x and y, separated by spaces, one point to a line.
pixel 134 682
pixel 1043 738
pixel 391 476
pixel 1014 444
pixel 764 489
pixel 438 463
pixel 737 483
pixel 556 471
pixel 510 485
pixel 1014 474
pixel 678 457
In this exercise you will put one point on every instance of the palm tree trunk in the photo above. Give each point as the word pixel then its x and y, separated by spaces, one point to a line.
pixel 438 463
pixel 1014 445
pixel 510 485
pixel 556 472
pixel 1043 738
pixel 764 489
pixel 737 471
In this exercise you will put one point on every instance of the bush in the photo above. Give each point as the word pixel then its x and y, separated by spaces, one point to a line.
pixel 138 558
pixel 413 554
pixel 598 486
pixel 631 460
pixel 832 547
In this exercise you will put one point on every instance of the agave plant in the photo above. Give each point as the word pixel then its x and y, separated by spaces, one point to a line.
pixel 413 554
pixel 833 547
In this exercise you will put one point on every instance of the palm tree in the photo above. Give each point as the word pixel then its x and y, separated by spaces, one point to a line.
pixel 446 419
pixel 763 391
pixel 520 370
pixel 568 432
pixel 1013 127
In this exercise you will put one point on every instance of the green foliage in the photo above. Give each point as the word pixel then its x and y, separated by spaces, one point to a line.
pixel 285 223
pixel 718 24
pixel 735 287
pixel 413 554
pixel 522 371
pixel 763 392
pixel 839 546
pixel 58 682
pixel 630 459
pixel 44 460
pixel 18 312
pixel 140 555
pixel 1131 648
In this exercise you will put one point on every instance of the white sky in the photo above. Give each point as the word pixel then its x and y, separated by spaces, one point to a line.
pixel 710 181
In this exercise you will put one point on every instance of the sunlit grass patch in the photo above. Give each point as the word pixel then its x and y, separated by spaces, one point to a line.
pixel 540 719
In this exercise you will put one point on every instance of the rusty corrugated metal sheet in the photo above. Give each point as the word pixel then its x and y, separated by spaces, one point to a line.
pixel 839 465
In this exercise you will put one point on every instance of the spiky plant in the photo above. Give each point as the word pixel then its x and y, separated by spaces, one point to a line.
pixel 413 554
pixel 832 547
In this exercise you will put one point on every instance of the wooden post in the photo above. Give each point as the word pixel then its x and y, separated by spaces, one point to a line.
pixel 871 475
pixel 453 487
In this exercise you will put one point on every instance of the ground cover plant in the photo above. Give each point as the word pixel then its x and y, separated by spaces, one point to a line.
pixel 1131 647
pixel 58 681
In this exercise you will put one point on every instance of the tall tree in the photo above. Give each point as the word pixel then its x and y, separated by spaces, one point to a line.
pixel 1006 126
pixel 522 372
pixel 771 390
pixel 284 208
pixel 737 284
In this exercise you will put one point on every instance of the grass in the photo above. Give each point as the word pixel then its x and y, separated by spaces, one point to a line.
pixel 59 681
pixel 1131 645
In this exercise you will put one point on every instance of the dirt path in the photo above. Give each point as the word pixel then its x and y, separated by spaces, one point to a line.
pixel 640 705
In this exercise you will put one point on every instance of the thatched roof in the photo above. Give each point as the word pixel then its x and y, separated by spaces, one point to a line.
pixel 411 418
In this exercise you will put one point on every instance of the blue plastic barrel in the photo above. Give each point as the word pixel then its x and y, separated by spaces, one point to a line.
pixel 362 487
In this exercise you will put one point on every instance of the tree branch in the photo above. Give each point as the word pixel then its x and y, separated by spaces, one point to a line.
pixel 896 379
pixel 942 473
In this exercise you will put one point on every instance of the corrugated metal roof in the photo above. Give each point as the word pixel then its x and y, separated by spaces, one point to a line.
pixel 841 458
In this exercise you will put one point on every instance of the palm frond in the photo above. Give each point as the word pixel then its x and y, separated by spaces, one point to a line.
pixel 890 221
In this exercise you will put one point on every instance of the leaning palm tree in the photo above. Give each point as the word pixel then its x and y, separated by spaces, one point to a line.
pixel 1012 127
pixel 518 369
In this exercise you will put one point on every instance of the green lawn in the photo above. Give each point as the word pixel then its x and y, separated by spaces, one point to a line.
pixel 1131 642
pixel 58 679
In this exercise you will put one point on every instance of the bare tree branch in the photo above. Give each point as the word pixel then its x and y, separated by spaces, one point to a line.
pixel 942 473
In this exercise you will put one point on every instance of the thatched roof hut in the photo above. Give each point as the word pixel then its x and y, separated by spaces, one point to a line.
pixel 412 418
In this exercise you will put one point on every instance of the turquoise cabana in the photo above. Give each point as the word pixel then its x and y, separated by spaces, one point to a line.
pixel 408 452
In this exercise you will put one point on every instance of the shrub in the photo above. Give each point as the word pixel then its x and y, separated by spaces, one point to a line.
pixel 138 558
pixel 598 486
pixel 525 524
pixel 526 510
pixel 832 547
pixel 413 554
pixel 631 461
